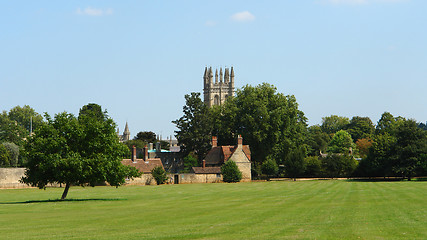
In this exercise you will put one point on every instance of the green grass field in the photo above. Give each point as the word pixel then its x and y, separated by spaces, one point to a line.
pixel 260 210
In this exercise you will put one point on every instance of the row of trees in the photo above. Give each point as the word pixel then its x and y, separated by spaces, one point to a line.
pixel 282 144
pixel 15 128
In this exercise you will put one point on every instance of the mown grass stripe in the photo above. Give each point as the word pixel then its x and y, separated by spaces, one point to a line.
pixel 259 210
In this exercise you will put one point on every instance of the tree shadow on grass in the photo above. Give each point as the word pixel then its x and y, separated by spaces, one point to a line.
pixel 65 200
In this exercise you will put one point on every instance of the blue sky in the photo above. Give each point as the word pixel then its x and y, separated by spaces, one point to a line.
pixel 138 59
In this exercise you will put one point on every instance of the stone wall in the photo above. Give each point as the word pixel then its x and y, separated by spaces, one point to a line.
pixel 196 178
pixel 182 178
pixel 145 179
pixel 245 168
pixel 9 177
pixel 243 163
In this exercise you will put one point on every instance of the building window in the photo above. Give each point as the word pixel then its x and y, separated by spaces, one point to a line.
pixel 216 100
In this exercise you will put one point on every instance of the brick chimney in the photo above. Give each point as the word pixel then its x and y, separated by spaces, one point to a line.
pixel 133 153
pixel 145 153
pixel 203 163
pixel 214 141
pixel 239 141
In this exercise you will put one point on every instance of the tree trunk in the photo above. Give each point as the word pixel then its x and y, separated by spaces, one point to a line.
pixel 64 194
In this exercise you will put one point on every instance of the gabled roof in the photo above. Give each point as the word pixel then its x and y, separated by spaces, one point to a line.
pixel 207 170
pixel 221 154
pixel 143 166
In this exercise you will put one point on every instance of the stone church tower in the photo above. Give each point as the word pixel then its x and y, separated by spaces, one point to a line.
pixel 216 91
pixel 126 134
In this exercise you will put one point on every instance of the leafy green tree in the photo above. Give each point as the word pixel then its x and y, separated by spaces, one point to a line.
pixel 265 119
pixel 224 121
pixel 338 165
pixel 137 143
pixel 164 145
pixel 388 124
pixel 379 160
pixel 294 164
pixel 4 156
pixel 147 136
pixel 11 131
pixel 334 123
pixel 230 172
pixel 360 127
pixel 13 150
pixel 194 127
pixel 269 122
pixel 269 168
pixel 411 145
pixel 341 143
pixel 159 174
pixel 76 151
pixel 25 117
pixel 317 140
pixel 93 110
pixel 190 161
pixel 313 166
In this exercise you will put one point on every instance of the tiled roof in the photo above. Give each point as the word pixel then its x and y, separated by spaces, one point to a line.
pixel 207 170
pixel 143 166
pixel 219 155
pixel 214 156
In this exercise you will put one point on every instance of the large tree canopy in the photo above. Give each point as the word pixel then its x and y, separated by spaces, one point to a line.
pixel 360 127
pixel 194 127
pixel 147 136
pixel 410 149
pixel 268 121
pixel 341 142
pixel 76 151
pixel 334 123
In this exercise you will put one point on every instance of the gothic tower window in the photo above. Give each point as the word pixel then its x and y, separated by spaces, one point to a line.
pixel 216 100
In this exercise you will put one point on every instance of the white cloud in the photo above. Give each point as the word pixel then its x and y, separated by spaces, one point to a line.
pixel 89 11
pixel 243 17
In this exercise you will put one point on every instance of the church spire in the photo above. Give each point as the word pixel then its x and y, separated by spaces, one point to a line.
pixel 226 75
pixel 220 75
pixel 126 133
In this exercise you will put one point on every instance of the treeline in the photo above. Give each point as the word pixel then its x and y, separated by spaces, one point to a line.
pixel 283 145
pixel 15 127
pixel 17 124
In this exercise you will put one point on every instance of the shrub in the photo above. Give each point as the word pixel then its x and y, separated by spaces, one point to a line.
pixel 13 150
pixel 4 156
pixel 313 166
pixel 159 175
pixel 189 162
pixel 338 165
pixel 294 163
pixel 269 167
pixel 230 172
